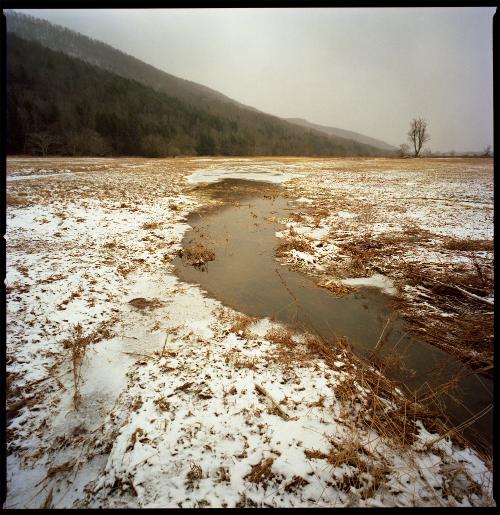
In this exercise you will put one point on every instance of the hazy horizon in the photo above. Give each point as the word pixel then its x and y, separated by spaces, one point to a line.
pixel 368 70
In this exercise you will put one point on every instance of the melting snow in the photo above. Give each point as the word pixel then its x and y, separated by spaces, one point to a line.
pixel 210 175
pixel 375 281
pixel 173 421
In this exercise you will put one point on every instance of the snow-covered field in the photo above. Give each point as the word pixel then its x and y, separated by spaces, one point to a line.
pixel 129 388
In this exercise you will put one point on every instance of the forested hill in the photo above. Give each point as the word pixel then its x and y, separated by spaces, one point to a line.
pixel 104 56
pixel 251 132
pixel 60 104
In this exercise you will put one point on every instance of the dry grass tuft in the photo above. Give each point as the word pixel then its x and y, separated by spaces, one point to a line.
pixel 281 336
pixel 111 244
pixel 468 245
pixel 246 502
pixel 261 472
pixel 137 436
pixel 328 351
pixel 414 233
pixel 250 364
pixel 383 409
pixel 141 303
pixel 468 333
pixel 63 467
pixel 16 200
pixel 196 254
pixel 162 404
pixel 52 278
pixel 151 225
pixel 287 353
pixel 298 217
pixel 14 407
pixel 361 252
pixel 294 244
pixel 78 343
pixel 223 474
pixel 365 474
pixel 240 326
pixel 337 288
pixel 47 504
pixel 345 391
pixel 195 473
pixel 350 453
pixel 295 484
pixel 313 454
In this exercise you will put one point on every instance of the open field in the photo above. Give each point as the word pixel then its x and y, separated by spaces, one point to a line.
pixel 426 224
pixel 127 387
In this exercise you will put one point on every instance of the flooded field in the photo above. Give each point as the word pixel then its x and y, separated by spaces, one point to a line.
pixel 245 275
pixel 134 379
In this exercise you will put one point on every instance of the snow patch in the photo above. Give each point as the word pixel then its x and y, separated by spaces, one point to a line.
pixel 376 281
pixel 211 175
pixel 346 214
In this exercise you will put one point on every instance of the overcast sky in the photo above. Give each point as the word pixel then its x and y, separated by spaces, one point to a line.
pixel 367 70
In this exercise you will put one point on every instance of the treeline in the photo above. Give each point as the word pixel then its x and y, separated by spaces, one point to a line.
pixel 58 104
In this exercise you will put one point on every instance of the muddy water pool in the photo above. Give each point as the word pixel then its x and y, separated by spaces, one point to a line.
pixel 246 276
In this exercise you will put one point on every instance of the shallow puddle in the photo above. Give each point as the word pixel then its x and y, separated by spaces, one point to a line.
pixel 246 276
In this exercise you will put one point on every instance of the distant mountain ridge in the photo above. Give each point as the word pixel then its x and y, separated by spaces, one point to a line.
pixel 226 126
pixel 342 133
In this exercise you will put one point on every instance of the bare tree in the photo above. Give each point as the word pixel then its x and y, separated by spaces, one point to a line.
pixel 487 151
pixel 404 150
pixel 41 142
pixel 418 135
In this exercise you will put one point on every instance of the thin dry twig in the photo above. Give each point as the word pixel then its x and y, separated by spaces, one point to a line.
pixel 279 409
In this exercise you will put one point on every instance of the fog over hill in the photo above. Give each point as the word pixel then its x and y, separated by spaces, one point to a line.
pixel 216 124
pixel 334 131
